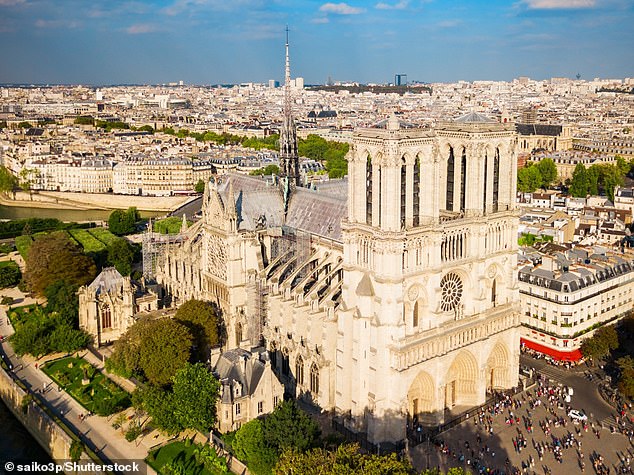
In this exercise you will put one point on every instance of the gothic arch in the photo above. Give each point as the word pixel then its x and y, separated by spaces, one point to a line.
pixel 461 381
pixel 420 396
pixel 497 368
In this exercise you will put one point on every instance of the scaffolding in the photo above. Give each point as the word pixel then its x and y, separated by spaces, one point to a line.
pixel 154 249
pixel 257 293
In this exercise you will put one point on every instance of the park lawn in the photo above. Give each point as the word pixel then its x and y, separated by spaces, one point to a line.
pixel 89 242
pixel 104 235
pixel 22 244
pixel 101 395
pixel 178 452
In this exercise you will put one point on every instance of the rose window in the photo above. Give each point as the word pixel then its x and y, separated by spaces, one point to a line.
pixel 451 287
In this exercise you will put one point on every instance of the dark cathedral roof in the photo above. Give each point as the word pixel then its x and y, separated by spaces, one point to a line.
pixel 259 203
pixel 538 129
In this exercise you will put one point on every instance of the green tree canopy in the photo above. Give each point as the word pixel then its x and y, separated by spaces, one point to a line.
pixel 528 179
pixel 121 255
pixel 8 181
pixel 84 120
pixel 604 340
pixel 548 171
pixel 153 349
pixel 202 320
pixel 267 170
pixel 250 446
pixel 54 257
pixel 196 392
pixel 123 222
pixel 580 182
pixel 290 427
pixel 10 274
pixel 159 403
pixel 61 298
pixel 200 186
pixel 346 459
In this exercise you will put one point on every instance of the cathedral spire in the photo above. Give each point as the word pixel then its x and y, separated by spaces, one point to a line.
pixel 289 159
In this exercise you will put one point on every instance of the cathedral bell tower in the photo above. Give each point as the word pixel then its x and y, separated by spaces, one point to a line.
pixel 430 317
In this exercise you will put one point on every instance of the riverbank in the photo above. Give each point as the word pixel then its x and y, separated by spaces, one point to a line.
pixel 94 201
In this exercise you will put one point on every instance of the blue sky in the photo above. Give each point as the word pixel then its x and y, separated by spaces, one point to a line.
pixel 229 41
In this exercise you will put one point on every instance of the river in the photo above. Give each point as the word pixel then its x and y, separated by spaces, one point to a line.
pixel 18 212
pixel 16 444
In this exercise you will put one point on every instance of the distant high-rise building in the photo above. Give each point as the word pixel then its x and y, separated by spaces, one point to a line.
pixel 400 79
pixel 273 83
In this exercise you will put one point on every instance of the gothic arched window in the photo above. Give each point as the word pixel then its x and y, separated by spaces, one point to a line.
pixel 273 355
pixel 238 333
pixel 416 197
pixel 285 365
pixel 484 187
pixel 368 190
pixel 494 292
pixel 106 317
pixel 415 315
pixel 463 178
pixel 299 370
pixel 496 179
pixel 314 379
pixel 403 192
pixel 450 180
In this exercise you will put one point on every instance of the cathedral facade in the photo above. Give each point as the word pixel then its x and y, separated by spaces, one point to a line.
pixel 388 298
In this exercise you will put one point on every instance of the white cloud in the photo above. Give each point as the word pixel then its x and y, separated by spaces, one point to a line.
pixel 389 6
pixel 340 9
pixel 559 4
pixel 140 28
pixel 320 20
pixel 11 3
pixel 449 23
pixel 40 23
pixel 181 6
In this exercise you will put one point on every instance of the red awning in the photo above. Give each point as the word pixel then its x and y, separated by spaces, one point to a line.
pixel 573 355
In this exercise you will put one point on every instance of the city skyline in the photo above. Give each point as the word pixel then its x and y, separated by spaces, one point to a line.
pixel 215 42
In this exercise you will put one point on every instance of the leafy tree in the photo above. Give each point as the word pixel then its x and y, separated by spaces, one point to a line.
pixel 202 320
pixel 548 171
pixel 346 459
pixel 8 181
pixel 62 299
pixel 25 125
pixel 54 257
pixel 84 120
pixel 604 340
pixel 611 178
pixel 121 255
pixel 593 173
pixel 528 179
pixel 267 170
pixel 123 222
pixel 146 128
pixel 195 391
pixel 68 339
pixel 290 427
pixel 10 275
pixel 159 404
pixel 580 184
pixel 333 153
pixel 200 186
pixel 250 446
pixel 76 449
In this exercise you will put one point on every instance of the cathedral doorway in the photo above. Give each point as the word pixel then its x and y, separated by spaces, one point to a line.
pixel 420 398
pixel 497 368
pixel 461 381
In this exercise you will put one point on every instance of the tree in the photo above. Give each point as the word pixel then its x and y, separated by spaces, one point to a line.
pixel 611 177
pixel 251 447
pixel 120 255
pixel 268 170
pixel 84 120
pixel 202 320
pixel 580 182
pixel 123 222
pixel 195 391
pixel 548 171
pixel 604 340
pixel 200 186
pixel 10 275
pixel 593 173
pixel 528 179
pixel 61 298
pixel 345 459
pixel 159 404
pixel 8 181
pixel 290 427
pixel 54 257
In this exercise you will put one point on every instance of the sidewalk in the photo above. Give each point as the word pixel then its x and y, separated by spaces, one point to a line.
pixel 95 430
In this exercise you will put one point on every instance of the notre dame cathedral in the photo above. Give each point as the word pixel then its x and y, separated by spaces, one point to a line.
pixel 386 297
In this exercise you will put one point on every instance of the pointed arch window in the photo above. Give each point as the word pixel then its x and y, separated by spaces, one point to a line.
pixel 238 333
pixel 285 364
pixel 314 379
pixel 415 315
pixel 484 187
pixel 273 355
pixel 299 370
pixel 494 292
pixel 463 178
pixel 368 190
pixel 496 179
pixel 403 192
pixel 416 197
pixel 106 317
pixel 450 180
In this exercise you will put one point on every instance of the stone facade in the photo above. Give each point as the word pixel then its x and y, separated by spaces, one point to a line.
pixel 396 303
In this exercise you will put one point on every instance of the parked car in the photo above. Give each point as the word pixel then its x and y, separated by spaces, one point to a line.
pixel 577 415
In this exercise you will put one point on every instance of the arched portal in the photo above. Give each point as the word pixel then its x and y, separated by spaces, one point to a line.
pixel 420 397
pixel 461 381
pixel 497 368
